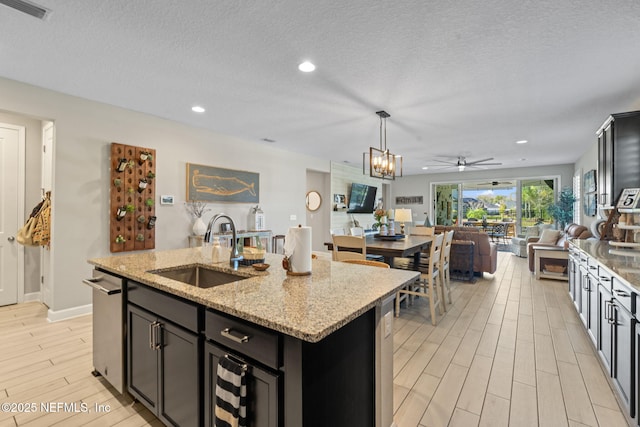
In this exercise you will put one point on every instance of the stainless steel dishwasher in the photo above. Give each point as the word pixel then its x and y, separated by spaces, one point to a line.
pixel 108 328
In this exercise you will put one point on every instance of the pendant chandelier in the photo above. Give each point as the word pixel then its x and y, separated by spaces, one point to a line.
pixel 382 163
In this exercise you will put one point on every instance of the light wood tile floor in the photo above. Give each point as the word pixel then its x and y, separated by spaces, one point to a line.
pixel 510 351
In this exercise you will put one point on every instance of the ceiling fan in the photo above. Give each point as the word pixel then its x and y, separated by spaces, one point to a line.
pixel 462 163
pixel 495 183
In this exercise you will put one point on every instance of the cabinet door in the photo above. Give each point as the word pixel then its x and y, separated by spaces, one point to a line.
pixel 179 376
pixel 592 327
pixel 636 361
pixel 605 331
pixel 262 391
pixel 582 303
pixel 142 369
pixel 574 275
pixel 622 354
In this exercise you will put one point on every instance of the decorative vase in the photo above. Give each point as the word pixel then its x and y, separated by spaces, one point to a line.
pixel 199 227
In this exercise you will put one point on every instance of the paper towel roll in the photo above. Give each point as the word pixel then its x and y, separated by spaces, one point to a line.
pixel 297 247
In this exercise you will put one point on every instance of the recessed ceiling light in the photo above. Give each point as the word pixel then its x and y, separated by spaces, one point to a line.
pixel 424 168
pixel 197 109
pixel 522 141
pixel 306 67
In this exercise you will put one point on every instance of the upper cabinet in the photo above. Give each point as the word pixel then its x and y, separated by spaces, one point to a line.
pixel 618 156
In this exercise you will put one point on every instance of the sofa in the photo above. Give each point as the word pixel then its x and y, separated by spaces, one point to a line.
pixel 555 238
pixel 485 253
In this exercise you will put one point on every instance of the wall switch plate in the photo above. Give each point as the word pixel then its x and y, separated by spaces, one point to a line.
pixel 293 217
pixel 388 324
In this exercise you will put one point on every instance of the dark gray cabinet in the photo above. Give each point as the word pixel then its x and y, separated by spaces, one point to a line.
pixel 164 358
pixel 618 156
pixel 259 349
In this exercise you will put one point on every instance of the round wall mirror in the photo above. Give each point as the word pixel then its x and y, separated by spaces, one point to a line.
pixel 314 200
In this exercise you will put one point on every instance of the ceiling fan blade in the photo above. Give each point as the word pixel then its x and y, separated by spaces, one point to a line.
pixel 443 161
pixel 479 161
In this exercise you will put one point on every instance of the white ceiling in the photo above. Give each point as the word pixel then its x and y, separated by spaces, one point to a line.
pixel 461 77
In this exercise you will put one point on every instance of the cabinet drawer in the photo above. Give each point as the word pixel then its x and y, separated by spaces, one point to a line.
pixel 179 311
pixel 605 277
pixel 256 342
pixel 623 294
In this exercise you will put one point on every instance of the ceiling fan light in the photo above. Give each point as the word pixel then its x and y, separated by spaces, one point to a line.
pixel 460 168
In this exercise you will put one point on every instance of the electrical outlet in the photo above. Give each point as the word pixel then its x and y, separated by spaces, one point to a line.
pixel 388 324
pixel 293 217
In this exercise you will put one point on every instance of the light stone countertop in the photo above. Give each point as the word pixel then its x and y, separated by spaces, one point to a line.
pixel 625 263
pixel 305 307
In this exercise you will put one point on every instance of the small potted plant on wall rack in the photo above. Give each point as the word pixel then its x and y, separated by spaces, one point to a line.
pixel 144 156
pixel 150 175
pixel 120 239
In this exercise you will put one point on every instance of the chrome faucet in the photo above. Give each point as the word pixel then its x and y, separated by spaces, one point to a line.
pixel 235 257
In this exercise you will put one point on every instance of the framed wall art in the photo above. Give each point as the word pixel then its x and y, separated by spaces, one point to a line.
pixel 214 184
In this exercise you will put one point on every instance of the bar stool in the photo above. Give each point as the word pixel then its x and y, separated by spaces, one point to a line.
pixel 274 243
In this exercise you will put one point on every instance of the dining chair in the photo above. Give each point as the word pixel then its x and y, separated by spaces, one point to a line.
pixel 421 231
pixel 367 262
pixel 499 231
pixel 349 247
pixel 427 285
pixel 445 277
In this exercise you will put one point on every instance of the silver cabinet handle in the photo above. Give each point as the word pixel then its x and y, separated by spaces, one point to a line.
pixel 226 332
pixel 158 335
pixel 151 336
pixel 621 293
pixel 11 238
pixel 95 285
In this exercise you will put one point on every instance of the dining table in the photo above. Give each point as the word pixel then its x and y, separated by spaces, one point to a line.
pixel 390 248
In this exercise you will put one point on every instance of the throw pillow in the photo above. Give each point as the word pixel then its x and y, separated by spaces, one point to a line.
pixel 549 236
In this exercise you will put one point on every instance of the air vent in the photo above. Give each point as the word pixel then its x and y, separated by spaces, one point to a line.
pixel 27 7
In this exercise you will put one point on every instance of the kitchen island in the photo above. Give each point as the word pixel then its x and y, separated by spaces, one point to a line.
pixel 326 338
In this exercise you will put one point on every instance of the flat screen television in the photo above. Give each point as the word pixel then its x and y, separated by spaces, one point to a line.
pixel 362 198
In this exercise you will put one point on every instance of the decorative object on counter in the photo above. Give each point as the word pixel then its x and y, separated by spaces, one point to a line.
pixel 196 209
pixel 252 255
pixel 127 175
pixel 260 266
pixel 297 251
pixel 256 219
pixel 403 216
pixel 380 216
pixel 214 184
pixel 313 200
pixel 382 163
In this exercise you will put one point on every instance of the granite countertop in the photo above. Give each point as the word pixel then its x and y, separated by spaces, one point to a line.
pixel 305 307
pixel 625 263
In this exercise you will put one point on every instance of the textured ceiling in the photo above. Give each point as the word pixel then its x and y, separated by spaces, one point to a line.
pixel 458 78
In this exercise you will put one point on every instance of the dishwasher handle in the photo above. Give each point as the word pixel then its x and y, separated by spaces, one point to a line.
pixel 94 283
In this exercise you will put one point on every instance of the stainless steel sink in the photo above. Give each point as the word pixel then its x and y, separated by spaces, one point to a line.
pixel 198 276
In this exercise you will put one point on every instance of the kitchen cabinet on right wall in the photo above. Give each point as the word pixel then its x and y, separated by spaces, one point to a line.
pixel 618 156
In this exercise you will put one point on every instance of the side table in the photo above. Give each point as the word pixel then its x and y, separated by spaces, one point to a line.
pixel 552 253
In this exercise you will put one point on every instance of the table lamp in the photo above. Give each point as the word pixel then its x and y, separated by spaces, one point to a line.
pixel 402 216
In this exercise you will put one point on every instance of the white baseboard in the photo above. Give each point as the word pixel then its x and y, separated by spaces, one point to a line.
pixel 32 296
pixel 56 316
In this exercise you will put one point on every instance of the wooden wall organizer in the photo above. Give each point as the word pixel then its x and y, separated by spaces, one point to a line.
pixel 136 233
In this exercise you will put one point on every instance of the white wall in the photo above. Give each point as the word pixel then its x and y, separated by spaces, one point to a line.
pixel 587 162
pixel 420 185
pixel 319 220
pixel 80 198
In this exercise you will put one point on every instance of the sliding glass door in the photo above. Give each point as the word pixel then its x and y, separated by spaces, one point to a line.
pixel 524 201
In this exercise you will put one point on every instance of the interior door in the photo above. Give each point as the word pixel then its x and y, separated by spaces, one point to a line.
pixel 11 211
